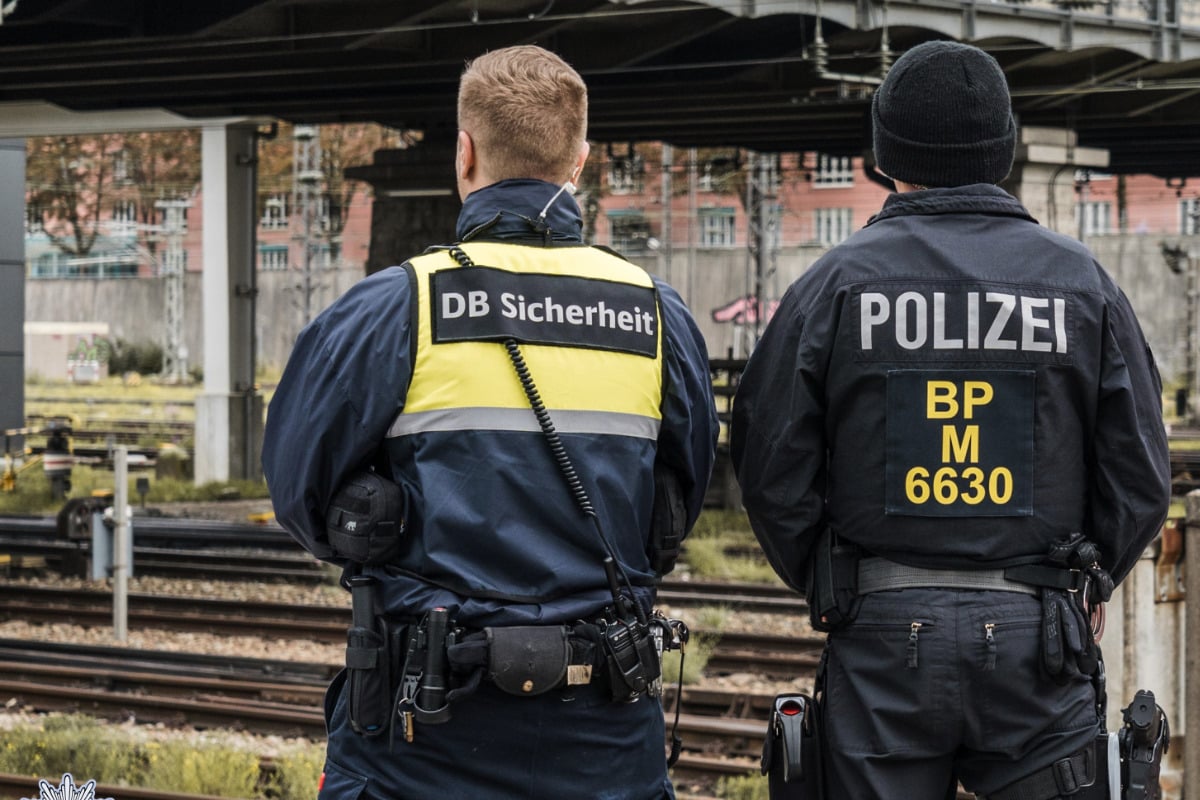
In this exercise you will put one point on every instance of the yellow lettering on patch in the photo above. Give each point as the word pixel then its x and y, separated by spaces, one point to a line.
pixel 960 450
pixel 976 393
pixel 940 402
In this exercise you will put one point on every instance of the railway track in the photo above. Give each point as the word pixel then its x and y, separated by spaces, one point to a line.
pixel 230 551
pixel 775 656
pixel 722 730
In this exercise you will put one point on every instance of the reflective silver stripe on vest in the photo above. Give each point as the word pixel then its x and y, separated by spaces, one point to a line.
pixel 522 419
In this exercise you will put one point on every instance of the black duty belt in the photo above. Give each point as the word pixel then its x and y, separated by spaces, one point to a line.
pixel 881 575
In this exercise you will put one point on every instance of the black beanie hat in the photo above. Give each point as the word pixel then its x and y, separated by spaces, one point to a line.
pixel 943 117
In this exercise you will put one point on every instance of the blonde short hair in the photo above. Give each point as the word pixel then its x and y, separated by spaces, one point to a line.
pixel 526 112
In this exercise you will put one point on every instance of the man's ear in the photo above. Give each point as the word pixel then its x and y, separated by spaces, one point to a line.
pixel 583 154
pixel 464 156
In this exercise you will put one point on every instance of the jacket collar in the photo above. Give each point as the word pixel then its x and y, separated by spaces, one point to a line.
pixel 509 211
pixel 978 198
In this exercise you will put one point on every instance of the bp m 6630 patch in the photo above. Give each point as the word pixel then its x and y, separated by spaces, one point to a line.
pixel 960 443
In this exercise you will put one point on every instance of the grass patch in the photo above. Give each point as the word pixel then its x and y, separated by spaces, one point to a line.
pixel 33 496
pixel 213 770
pixel 722 522
pixel 722 547
pixel 743 787
pixel 123 397
pixel 89 750
pixel 297 773
pixel 694 661
pixel 712 619
pixel 708 558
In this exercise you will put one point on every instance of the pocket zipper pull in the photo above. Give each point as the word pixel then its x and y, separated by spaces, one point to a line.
pixel 912 645
pixel 991 644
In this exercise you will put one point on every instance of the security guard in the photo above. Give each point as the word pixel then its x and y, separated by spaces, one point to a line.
pixel 545 409
pixel 950 404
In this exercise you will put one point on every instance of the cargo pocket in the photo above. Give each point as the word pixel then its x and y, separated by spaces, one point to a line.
pixel 881 684
pixel 1019 703
pixel 340 784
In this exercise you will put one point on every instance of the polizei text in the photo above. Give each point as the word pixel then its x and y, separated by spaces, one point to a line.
pixel 968 320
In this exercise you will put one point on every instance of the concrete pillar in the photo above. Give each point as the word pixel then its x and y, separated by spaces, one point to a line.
pixel 12 284
pixel 416 201
pixel 229 412
pixel 1043 174
pixel 1189 725
pixel 1144 647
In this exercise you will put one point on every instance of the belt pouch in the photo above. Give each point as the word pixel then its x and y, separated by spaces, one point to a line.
pixel 369 681
pixel 528 660
pixel 832 586
pixel 791 757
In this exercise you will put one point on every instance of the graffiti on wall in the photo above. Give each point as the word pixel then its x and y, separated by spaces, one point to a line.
pixel 744 311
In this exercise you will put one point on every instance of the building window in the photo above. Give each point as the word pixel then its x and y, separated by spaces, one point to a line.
pixel 124 218
pixel 164 215
pixel 44 266
pixel 717 227
pixel 273 258
pixel 628 232
pixel 833 225
pixel 323 257
pixel 320 256
pixel 275 213
pixel 768 173
pixel 719 172
pixel 124 211
pixel 121 166
pixel 1189 216
pixel 1094 217
pixel 324 220
pixel 105 265
pixel 625 174
pixel 833 171
pixel 35 218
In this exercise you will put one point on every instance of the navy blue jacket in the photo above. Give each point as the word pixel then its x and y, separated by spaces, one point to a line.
pixel 952 387
pixel 492 531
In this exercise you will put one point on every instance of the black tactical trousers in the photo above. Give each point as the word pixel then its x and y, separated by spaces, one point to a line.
pixel 929 687
pixel 567 743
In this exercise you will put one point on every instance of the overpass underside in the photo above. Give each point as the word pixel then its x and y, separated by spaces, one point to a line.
pixel 769 75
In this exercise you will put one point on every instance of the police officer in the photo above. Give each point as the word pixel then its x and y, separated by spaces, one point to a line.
pixel 937 403
pixel 430 371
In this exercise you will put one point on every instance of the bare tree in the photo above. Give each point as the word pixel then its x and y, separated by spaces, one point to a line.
pixel 73 181
pixel 69 179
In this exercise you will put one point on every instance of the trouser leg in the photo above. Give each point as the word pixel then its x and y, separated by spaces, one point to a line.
pixel 890 692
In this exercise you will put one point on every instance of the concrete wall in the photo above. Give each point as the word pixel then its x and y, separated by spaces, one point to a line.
pixel 1158 295
pixel 12 283
pixel 1136 263
pixel 134 308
